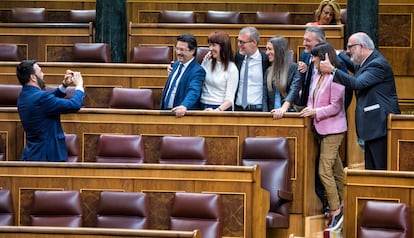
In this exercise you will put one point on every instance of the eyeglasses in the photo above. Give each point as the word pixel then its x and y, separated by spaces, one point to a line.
pixel 243 42
pixel 348 47
pixel 181 49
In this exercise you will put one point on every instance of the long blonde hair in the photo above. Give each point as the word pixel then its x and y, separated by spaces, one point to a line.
pixel 278 71
pixel 335 6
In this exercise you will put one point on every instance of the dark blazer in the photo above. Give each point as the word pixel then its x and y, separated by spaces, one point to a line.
pixel 39 113
pixel 292 89
pixel 375 92
pixel 189 88
pixel 238 60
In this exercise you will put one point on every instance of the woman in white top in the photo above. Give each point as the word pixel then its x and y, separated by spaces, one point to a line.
pixel 222 75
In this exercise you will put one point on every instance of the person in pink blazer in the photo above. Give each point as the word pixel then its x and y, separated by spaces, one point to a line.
pixel 326 108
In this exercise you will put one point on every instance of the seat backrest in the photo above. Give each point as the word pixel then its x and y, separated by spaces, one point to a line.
pixel 28 14
pixel 123 210
pixel 9 93
pixel 385 219
pixel 171 16
pixel 56 208
pixel 6 208
pixel 201 211
pixel 229 17
pixel 343 15
pixel 201 52
pixel 151 55
pixel 131 98
pixel 91 52
pixel 9 52
pixel 273 18
pixel 183 150
pixel 82 15
pixel 113 148
pixel 272 155
pixel 72 144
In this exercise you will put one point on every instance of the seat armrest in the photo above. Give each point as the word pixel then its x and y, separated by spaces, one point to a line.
pixel 286 195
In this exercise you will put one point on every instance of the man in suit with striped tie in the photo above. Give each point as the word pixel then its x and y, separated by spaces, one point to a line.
pixel 183 88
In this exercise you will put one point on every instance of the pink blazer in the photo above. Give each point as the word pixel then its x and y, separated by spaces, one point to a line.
pixel 330 115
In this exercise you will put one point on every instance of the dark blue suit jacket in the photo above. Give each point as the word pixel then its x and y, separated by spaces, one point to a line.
pixel 375 92
pixel 39 113
pixel 189 88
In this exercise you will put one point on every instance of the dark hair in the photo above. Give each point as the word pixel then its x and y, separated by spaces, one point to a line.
pixel 226 52
pixel 191 40
pixel 24 70
pixel 321 49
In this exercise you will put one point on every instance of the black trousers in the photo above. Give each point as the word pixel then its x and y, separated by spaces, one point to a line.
pixel 376 154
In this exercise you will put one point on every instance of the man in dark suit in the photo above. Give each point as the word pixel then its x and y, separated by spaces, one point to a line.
pixel 258 62
pixel 183 88
pixel 376 95
pixel 40 112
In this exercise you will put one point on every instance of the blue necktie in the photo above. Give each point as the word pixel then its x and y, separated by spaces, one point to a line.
pixel 246 76
pixel 277 100
pixel 172 85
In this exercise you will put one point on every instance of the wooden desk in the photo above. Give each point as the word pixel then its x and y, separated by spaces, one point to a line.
pixel 400 142
pixel 244 202
pixel 72 232
pixel 166 34
pixel 364 185
pixel 46 41
pixel 224 133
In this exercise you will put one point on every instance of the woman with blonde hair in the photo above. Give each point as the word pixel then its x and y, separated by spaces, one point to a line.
pixel 328 13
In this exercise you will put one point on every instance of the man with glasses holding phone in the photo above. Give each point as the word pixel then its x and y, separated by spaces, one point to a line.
pixel 183 88
pixel 252 64
pixel 376 95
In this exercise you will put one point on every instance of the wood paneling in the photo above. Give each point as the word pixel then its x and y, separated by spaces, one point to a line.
pixel 245 203
pixel 401 142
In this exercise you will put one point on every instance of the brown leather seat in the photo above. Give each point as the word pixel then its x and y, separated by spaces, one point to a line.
pixel 201 211
pixel 273 18
pixel 201 52
pixel 72 144
pixel 151 55
pixel 131 98
pixel 9 52
pixel 123 210
pixel 9 93
pixel 91 52
pixel 343 15
pixel 113 148
pixel 183 150
pixel 6 208
pixel 82 15
pixel 171 16
pixel 229 17
pixel 28 14
pixel 56 208
pixel 385 219
pixel 272 155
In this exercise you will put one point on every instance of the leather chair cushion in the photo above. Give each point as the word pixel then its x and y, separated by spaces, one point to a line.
pixel 201 52
pixel 183 150
pixel 91 52
pixel 82 15
pixel 131 98
pixel 151 55
pixel 229 17
pixel 6 208
pixel 9 52
pixel 28 14
pixel 171 16
pixel 120 149
pixel 9 93
pixel 273 18
pixel 72 146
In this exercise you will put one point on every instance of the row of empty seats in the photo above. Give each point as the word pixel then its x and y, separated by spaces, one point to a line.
pixel 100 53
pixel 129 210
pixel 39 15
